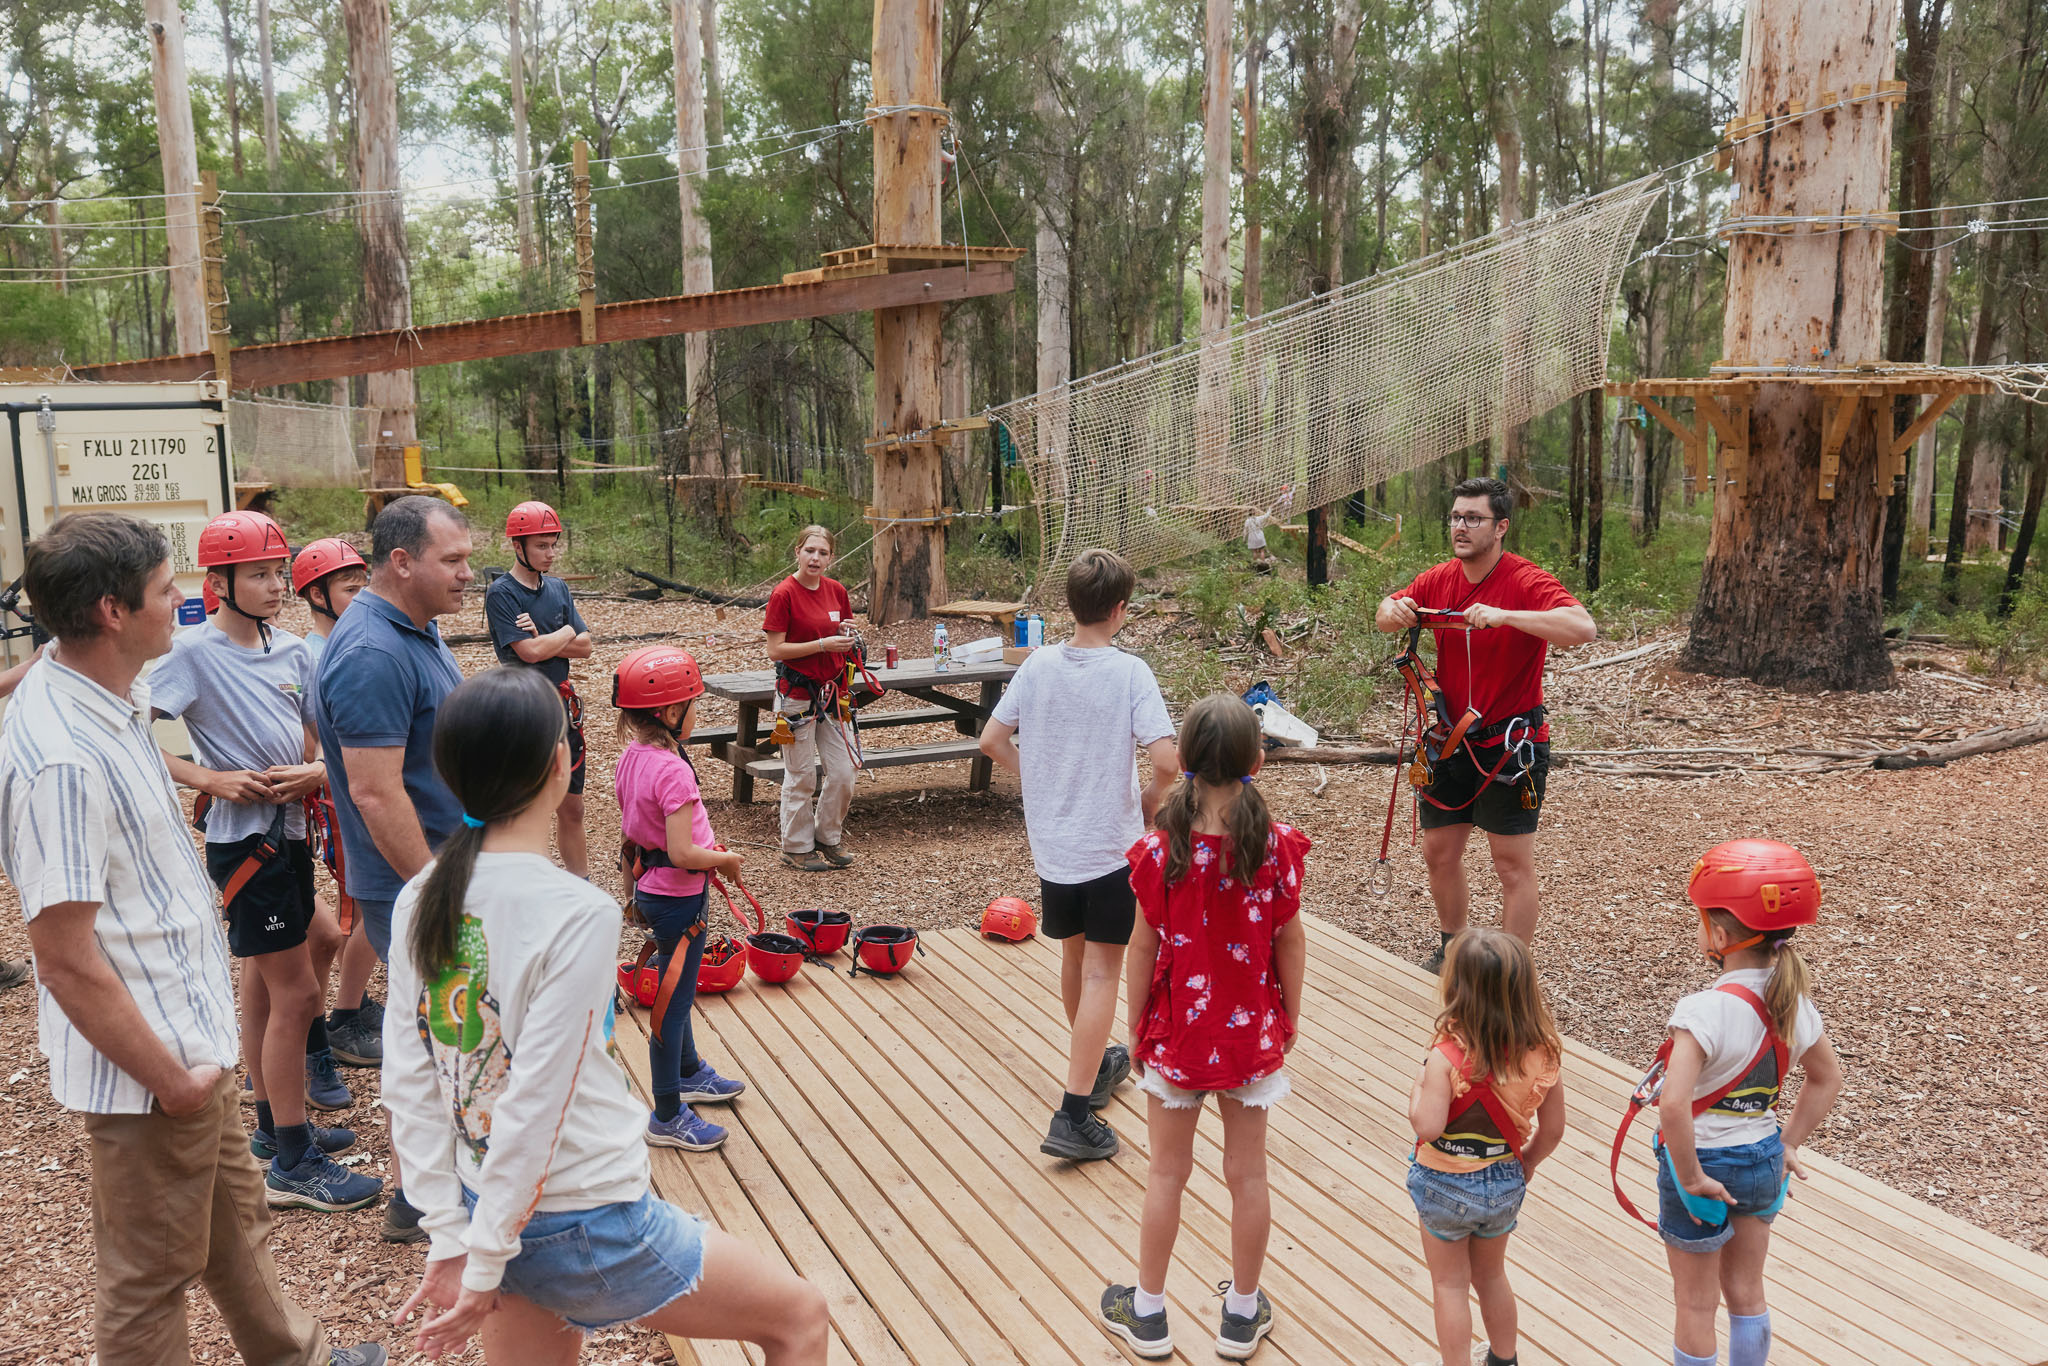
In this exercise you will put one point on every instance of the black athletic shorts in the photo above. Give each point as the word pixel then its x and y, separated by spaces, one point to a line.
pixel 574 705
pixel 1502 808
pixel 1101 910
pixel 274 907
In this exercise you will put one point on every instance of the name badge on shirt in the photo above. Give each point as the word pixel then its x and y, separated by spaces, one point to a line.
pixel 832 617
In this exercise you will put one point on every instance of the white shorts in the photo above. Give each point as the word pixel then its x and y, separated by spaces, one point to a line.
pixel 1262 1094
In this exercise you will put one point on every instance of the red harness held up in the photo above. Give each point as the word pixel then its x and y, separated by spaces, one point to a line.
pixel 1752 1090
pixel 1473 1143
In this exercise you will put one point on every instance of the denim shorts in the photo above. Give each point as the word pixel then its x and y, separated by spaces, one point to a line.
pixel 598 1268
pixel 1454 1206
pixel 1754 1173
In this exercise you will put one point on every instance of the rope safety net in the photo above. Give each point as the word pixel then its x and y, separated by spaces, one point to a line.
pixel 1173 452
pixel 299 445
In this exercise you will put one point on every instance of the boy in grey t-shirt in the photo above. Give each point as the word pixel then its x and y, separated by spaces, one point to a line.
pixel 1068 726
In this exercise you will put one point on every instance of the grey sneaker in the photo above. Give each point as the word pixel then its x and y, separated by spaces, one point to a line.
pixel 1435 962
pixel 1239 1336
pixel 1116 1065
pixel 1088 1141
pixel 402 1221
pixel 835 854
pixel 14 974
pixel 1147 1334
pixel 356 1043
pixel 362 1354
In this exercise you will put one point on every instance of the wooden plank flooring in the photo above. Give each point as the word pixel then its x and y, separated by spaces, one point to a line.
pixel 888 1150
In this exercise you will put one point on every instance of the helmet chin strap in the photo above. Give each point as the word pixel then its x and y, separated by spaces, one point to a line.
pixel 262 623
pixel 519 554
pixel 325 606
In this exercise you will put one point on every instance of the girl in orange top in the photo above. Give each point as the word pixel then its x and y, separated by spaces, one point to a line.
pixel 1487 1108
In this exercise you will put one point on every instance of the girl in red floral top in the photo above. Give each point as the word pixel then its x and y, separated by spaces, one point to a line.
pixel 1214 981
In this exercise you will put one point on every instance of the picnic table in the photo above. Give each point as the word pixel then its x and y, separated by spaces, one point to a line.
pixel 744 745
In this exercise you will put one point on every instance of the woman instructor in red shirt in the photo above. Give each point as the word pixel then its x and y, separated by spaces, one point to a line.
pixel 1517 611
pixel 809 624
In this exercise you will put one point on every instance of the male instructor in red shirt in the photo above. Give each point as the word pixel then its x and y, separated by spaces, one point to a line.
pixel 1517 612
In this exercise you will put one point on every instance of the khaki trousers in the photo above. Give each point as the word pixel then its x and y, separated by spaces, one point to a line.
pixel 818 741
pixel 181 1200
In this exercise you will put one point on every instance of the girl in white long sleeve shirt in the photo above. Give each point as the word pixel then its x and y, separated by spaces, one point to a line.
pixel 511 1115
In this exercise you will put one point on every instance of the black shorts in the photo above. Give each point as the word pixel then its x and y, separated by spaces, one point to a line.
pixel 273 909
pixel 574 706
pixel 1101 910
pixel 1503 808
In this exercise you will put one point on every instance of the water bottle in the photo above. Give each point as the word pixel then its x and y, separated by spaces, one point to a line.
pixel 1022 629
pixel 1035 634
pixel 939 646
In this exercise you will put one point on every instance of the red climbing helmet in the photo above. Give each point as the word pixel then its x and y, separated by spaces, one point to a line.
pixel 883 950
pixel 317 559
pixel 241 538
pixel 532 519
pixel 1011 918
pixel 774 957
pixel 723 965
pixel 823 933
pixel 1766 885
pixel 656 676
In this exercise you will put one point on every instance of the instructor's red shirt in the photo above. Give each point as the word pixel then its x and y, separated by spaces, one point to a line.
pixel 1505 675
pixel 803 614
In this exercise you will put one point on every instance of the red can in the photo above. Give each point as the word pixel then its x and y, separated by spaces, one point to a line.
pixel 891 656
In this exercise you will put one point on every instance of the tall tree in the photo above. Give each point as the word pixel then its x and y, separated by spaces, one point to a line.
pixel 178 148
pixel 1789 593
pixel 387 282
pixel 692 161
pixel 268 75
pixel 1328 131
pixel 1254 208
pixel 1054 286
pixel 1212 386
pixel 229 81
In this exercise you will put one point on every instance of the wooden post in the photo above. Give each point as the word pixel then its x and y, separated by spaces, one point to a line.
pixel 686 40
pixel 213 255
pixel 909 562
pixel 586 260
pixel 1212 380
pixel 1790 592
pixel 179 149
pixel 387 281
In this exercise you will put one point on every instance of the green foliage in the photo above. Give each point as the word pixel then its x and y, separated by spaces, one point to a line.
pixel 38 325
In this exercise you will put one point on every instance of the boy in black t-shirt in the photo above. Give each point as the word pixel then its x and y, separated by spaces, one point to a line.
pixel 534 622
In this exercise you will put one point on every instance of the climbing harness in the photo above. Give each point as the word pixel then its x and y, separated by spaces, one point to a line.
pixel 1471 1141
pixel 323 828
pixel 841 697
pixel 1752 1092
pixel 1430 734
pixel 723 962
pixel 267 848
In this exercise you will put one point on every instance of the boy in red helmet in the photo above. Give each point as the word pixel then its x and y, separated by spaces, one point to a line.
pixel 241 687
pixel 534 622
pixel 327 574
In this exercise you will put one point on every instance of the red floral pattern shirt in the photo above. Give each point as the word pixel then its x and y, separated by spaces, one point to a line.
pixel 1214 1019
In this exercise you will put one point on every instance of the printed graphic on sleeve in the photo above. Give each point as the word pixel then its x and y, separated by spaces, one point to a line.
pixel 458 1024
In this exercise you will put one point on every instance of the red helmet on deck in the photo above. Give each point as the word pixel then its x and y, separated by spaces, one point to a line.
pixel 774 957
pixel 822 933
pixel 532 519
pixel 241 538
pixel 1011 918
pixel 317 559
pixel 723 965
pixel 656 676
pixel 883 950
pixel 1766 885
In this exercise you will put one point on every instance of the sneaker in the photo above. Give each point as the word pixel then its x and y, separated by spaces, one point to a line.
pixel 1087 1141
pixel 1147 1333
pixel 13 973
pixel 835 854
pixel 402 1221
pixel 325 1089
pixel 689 1131
pixel 813 862
pixel 356 1042
pixel 708 1085
pixel 362 1354
pixel 1239 1336
pixel 333 1142
pixel 1116 1065
pixel 1434 964
pixel 319 1183
pixel 373 1010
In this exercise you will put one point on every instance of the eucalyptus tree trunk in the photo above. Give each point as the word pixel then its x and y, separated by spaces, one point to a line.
pixel 1212 383
pixel 269 80
pixel 179 150
pixel 687 39
pixel 387 284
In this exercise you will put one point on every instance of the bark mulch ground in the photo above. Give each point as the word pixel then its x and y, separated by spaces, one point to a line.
pixel 1929 964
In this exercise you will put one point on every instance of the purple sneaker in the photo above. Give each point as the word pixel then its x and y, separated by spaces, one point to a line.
pixel 708 1085
pixel 688 1131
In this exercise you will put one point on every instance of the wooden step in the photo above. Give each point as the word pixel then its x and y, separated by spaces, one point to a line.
pixel 944 752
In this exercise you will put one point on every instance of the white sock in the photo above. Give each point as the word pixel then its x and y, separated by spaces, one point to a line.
pixel 1148 1303
pixel 1243 1304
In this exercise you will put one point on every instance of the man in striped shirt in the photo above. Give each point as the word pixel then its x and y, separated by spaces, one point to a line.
pixel 136 1012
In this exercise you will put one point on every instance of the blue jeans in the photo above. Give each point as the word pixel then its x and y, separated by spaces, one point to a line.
pixel 1754 1173
pixel 377 925
pixel 598 1268
pixel 672 1055
pixel 1454 1206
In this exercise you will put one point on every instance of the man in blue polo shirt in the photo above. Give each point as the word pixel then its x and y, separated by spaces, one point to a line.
pixel 382 678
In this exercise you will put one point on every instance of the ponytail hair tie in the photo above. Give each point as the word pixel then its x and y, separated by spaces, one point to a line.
pixel 471 821
pixel 1246 780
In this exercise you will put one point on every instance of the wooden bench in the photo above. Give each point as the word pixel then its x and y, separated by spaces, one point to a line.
pixel 719 737
pixel 945 751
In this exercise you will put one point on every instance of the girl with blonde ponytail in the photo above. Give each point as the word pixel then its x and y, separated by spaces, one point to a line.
pixel 1721 1176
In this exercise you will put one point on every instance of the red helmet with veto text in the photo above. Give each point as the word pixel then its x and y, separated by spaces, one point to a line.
pixel 317 559
pixel 655 676
pixel 1766 885
pixel 241 538
pixel 533 518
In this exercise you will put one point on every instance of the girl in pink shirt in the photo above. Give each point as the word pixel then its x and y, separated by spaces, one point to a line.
pixel 1214 980
pixel 662 811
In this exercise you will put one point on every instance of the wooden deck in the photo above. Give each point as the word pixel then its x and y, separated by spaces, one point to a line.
pixel 888 1149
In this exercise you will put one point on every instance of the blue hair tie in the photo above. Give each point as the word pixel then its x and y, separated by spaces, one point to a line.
pixel 471 821
pixel 1246 780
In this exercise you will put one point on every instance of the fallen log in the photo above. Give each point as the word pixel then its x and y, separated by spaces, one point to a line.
pixel 1983 742
pixel 1640 652
pixel 701 594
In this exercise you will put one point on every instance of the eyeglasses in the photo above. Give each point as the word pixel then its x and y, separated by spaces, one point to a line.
pixel 1459 519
